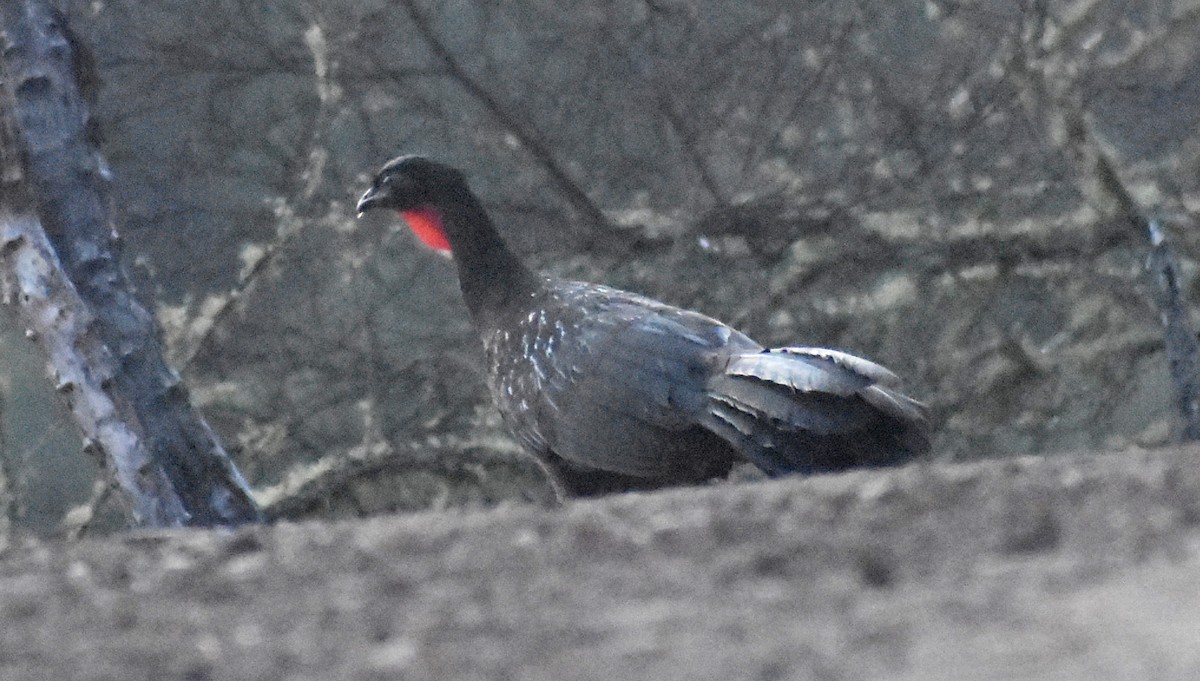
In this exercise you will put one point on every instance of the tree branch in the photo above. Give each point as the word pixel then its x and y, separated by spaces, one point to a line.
pixel 1103 187
pixel 1183 351
pixel 688 139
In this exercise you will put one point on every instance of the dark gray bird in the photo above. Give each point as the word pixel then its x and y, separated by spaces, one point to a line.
pixel 613 391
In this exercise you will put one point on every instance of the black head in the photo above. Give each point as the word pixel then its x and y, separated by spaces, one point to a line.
pixel 438 206
pixel 409 182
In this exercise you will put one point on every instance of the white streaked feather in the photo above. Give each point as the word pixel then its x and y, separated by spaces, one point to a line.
pixel 863 367
pixel 778 368
pixel 898 406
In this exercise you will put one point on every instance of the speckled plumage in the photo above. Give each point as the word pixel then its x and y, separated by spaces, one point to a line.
pixel 608 380
pixel 613 391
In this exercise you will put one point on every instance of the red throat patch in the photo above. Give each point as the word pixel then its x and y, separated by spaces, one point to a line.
pixel 426 223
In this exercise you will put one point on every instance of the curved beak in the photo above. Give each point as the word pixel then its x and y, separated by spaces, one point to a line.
pixel 371 199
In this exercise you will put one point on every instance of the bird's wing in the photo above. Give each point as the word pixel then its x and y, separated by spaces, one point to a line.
pixel 809 409
pixel 821 370
pixel 630 389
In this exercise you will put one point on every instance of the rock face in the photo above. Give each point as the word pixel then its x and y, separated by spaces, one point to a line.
pixel 1075 566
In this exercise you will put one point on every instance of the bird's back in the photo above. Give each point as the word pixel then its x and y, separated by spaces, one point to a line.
pixel 613 381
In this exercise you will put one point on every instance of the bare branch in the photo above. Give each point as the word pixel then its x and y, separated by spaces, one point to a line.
pixel 688 140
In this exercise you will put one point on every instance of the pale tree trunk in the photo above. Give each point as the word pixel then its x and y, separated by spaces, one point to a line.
pixel 60 267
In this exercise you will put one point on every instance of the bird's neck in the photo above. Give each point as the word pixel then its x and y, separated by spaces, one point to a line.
pixel 494 282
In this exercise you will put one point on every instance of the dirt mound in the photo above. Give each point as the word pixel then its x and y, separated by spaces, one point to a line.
pixel 1065 567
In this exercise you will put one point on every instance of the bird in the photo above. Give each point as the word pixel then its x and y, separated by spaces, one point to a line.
pixel 613 391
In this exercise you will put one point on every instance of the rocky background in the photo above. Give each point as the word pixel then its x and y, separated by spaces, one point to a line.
pixel 898 179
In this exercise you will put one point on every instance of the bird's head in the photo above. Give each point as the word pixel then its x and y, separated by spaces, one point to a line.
pixel 415 187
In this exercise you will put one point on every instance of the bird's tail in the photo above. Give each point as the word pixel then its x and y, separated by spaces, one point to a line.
pixel 790 410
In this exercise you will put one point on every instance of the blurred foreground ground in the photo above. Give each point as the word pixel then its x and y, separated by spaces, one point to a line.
pixel 1068 567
